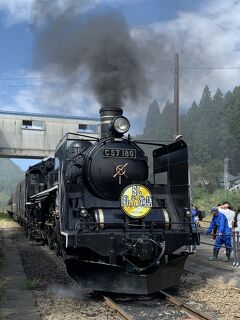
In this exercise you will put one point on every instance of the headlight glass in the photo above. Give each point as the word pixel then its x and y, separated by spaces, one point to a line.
pixel 121 125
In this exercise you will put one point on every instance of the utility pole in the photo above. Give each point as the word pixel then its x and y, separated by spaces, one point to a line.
pixel 176 126
pixel 225 175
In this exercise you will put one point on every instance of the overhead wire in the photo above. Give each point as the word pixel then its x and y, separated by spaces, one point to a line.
pixel 4 80
pixel 212 68
pixel 166 94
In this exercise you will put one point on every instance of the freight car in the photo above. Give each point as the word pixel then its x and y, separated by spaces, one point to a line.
pixel 94 204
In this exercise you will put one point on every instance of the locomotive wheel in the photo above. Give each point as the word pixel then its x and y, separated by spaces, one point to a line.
pixel 56 248
pixel 56 242
pixel 50 239
pixel 64 254
pixel 29 234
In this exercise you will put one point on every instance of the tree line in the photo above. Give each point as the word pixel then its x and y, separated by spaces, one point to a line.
pixel 211 130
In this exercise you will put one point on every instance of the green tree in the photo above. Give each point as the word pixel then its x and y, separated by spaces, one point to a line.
pixel 152 122
pixel 10 175
pixel 206 99
pixel 165 129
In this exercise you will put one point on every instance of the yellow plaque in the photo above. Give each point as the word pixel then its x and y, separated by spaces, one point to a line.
pixel 136 200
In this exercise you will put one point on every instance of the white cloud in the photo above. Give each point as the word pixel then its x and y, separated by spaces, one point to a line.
pixel 48 92
pixel 16 10
pixel 208 38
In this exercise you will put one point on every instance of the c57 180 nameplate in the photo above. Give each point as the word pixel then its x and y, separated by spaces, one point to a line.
pixel 136 200
pixel 119 153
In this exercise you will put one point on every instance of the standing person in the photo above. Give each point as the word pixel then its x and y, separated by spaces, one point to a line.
pixel 226 209
pixel 220 221
pixel 215 228
pixel 236 244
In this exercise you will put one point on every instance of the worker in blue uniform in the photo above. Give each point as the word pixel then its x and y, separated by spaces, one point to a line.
pixel 220 221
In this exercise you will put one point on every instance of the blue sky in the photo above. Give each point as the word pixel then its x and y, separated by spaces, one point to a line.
pixel 205 33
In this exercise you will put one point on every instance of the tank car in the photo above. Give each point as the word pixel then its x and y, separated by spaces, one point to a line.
pixel 117 229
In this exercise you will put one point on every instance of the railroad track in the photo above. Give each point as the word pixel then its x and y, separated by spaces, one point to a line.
pixel 116 308
pixel 189 310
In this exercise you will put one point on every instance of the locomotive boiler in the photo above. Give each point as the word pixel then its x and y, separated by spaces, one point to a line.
pixel 95 204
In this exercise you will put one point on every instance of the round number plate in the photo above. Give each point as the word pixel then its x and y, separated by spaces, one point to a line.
pixel 136 200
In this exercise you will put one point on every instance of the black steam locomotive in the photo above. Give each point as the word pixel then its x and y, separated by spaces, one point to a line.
pixel 94 204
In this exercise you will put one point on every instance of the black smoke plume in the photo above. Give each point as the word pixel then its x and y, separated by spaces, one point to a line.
pixel 75 38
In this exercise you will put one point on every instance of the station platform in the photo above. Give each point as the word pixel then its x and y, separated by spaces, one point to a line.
pixel 18 303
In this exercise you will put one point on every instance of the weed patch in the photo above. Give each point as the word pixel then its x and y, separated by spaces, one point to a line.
pixel 31 284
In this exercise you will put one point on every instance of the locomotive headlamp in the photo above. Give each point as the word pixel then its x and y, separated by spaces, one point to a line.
pixel 187 212
pixel 120 125
pixel 83 212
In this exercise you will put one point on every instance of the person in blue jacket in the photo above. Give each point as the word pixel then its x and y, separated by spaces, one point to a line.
pixel 220 221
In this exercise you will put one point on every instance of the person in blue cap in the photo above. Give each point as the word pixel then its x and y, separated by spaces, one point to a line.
pixel 224 234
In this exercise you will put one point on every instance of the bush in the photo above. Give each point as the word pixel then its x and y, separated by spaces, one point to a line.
pixel 205 201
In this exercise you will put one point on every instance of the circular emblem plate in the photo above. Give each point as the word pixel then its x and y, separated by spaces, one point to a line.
pixel 136 200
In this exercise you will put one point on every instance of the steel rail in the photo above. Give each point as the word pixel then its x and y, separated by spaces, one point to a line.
pixel 186 308
pixel 116 308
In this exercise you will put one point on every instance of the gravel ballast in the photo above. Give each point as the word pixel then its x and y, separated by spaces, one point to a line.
pixel 57 296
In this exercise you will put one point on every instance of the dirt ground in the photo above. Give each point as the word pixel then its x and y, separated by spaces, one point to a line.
pixel 216 295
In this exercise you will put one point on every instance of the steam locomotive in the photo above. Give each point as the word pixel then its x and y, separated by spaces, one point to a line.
pixel 94 204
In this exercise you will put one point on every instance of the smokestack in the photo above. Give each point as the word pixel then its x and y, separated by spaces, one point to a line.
pixel 107 114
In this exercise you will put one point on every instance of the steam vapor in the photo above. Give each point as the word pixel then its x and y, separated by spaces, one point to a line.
pixel 71 291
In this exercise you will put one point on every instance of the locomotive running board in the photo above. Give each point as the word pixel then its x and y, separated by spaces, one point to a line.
pixel 104 277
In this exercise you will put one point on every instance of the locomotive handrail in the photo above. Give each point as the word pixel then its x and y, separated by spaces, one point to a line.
pixel 137 225
pixel 151 223
pixel 82 135
pixel 150 143
pixel 64 138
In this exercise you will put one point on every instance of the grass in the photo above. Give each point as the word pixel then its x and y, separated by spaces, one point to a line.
pixel 6 221
pixel 31 284
pixel 5 216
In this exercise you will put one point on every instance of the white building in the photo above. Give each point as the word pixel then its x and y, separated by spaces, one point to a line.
pixel 25 135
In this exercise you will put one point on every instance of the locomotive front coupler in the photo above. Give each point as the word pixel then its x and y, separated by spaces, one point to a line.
pixel 155 263
pixel 145 248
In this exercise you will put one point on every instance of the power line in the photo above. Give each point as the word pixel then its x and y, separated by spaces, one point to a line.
pixel 12 78
pixel 166 94
pixel 37 77
pixel 71 78
pixel 41 84
pixel 209 68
